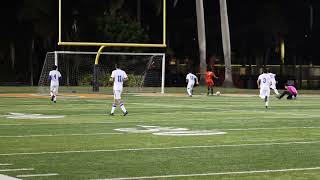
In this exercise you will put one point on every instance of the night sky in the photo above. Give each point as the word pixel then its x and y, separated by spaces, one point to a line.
pixel 256 28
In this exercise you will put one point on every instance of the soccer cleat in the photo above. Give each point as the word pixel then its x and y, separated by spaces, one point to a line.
pixel 55 101
pixel 111 114
pixel 266 107
pixel 52 97
pixel 125 113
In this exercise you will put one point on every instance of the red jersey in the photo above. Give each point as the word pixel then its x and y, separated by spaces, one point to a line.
pixel 209 76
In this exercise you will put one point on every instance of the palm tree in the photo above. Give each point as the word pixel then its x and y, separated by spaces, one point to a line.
pixel 226 43
pixel 201 39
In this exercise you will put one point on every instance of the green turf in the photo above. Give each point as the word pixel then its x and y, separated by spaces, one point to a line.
pixel 84 144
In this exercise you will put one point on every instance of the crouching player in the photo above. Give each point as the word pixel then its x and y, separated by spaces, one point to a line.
pixel 291 91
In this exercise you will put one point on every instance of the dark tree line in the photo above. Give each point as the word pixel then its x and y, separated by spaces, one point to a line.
pixel 30 29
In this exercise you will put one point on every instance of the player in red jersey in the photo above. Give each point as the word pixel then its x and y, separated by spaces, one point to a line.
pixel 209 80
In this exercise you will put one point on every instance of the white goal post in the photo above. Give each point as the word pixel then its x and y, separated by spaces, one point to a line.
pixel 77 68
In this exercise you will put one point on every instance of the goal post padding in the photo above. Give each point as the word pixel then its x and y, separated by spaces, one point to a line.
pixel 146 71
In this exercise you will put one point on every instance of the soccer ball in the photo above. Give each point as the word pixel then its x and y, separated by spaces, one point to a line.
pixel 218 93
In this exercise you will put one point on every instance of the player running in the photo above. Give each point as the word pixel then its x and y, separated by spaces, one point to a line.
pixel 264 83
pixel 273 82
pixel 118 76
pixel 191 80
pixel 209 81
pixel 54 77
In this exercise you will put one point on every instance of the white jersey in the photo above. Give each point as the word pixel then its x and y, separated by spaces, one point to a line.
pixel 191 78
pixel 265 80
pixel 54 76
pixel 118 75
pixel 273 79
pixel 272 76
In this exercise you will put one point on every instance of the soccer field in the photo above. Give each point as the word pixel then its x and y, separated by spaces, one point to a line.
pixel 162 137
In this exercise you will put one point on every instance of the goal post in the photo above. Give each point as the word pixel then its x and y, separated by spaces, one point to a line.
pixel 146 71
pixel 137 44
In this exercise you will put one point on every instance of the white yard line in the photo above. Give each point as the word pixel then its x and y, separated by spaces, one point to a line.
pixel 37 175
pixel 296 117
pixel 93 134
pixel 76 123
pixel 53 135
pixel 160 148
pixel 22 169
pixel 215 174
pixel 278 128
pixel 153 121
pixel 5 164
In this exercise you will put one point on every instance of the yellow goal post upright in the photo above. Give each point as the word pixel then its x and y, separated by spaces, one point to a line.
pixel 103 45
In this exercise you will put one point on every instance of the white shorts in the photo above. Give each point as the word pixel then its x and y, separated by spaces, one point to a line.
pixel 273 85
pixel 190 85
pixel 264 91
pixel 54 89
pixel 117 94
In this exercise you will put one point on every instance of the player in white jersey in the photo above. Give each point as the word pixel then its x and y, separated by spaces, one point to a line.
pixel 54 77
pixel 118 76
pixel 264 83
pixel 273 82
pixel 191 80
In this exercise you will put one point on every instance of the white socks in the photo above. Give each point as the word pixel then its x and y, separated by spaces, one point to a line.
pixel 113 108
pixel 122 107
pixel 189 91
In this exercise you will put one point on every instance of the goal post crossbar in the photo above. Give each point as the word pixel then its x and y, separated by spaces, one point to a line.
pixel 143 45
pixel 108 53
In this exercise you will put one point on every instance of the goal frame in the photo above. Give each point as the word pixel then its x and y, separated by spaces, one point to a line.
pixel 163 63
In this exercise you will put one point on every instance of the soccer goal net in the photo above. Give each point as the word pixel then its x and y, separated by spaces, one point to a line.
pixel 146 71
